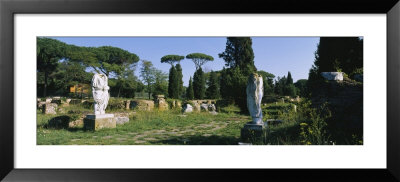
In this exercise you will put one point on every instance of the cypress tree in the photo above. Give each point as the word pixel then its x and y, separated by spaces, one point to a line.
pixel 289 79
pixel 290 89
pixel 213 86
pixel 189 91
pixel 239 58
pixel 239 54
pixel 179 80
pixel 199 84
pixel 343 54
pixel 172 83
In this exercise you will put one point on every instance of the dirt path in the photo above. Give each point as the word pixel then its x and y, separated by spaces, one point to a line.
pixel 205 130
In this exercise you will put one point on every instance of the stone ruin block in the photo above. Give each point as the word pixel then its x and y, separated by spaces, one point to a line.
pixel 178 104
pixel 121 118
pixel 127 104
pixel 49 108
pixel 187 108
pixel 56 101
pixel 75 101
pixel 142 105
pixel 212 108
pixel 196 107
pixel 40 104
pixel 334 76
pixel 99 121
pixel 162 104
pixel 68 101
pixel 204 107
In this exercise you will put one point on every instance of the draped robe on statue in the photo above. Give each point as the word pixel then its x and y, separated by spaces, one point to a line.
pixel 255 92
pixel 100 93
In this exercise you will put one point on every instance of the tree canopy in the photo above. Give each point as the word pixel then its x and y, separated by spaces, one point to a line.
pixel 48 53
pixel 199 59
pixel 171 59
pixel 239 53
pixel 112 60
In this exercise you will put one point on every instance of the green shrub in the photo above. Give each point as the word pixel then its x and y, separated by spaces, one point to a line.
pixel 313 130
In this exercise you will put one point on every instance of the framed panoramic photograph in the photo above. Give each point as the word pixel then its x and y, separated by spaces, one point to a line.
pixel 130 90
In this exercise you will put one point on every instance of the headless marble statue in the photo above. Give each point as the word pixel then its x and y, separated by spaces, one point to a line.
pixel 255 92
pixel 100 93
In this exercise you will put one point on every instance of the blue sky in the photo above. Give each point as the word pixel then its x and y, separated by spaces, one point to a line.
pixel 276 55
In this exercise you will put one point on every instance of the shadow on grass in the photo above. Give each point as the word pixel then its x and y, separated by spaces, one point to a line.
pixel 288 135
pixel 59 122
pixel 199 140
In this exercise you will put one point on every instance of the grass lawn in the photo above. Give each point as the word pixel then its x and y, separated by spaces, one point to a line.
pixel 169 128
pixel 155 127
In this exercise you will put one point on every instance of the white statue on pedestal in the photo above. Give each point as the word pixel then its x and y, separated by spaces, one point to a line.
pixel 100 93
pixel 255 92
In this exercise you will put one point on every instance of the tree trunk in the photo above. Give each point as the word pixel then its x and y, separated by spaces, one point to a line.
pixel 119 90
pixel 45 84
pixel 149 91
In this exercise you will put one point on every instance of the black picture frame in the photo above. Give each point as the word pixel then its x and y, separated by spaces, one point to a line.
pixel 8 8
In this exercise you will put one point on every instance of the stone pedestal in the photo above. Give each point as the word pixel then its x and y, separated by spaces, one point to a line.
pixel 99 121
pixel 253 132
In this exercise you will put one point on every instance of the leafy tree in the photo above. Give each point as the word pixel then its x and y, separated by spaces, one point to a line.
pixel 213 86
pixel 107 60
pixel 125 86
pixel 48 53
pixel 147 72
pixel 161 83
pixel 189 91
pixel 265 74
pixel 69 73
pixel 233 87
pixel 199 84
pixel 280 84
pixel 267 82
pixel 179 77
pixel 290 90
pixel 85 55
pixel 171 59
pixel 239 58
pixel 199 59
pixel 173 83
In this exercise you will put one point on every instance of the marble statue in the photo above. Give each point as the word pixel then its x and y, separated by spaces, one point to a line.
pixel 100 93
pixel 255 92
